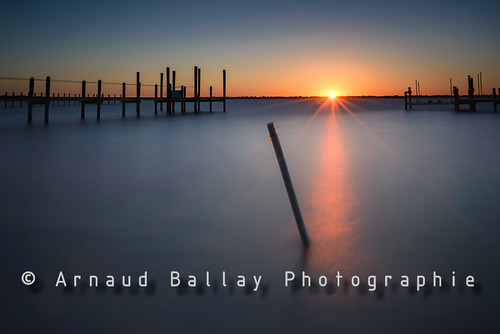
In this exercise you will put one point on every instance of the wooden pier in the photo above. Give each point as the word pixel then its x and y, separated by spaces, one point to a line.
pixel 173 96
pixel 470 100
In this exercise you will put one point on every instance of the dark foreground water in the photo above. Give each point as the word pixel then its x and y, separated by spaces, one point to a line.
pixel 382 192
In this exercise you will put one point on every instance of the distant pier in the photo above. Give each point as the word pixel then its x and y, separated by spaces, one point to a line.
pixel 172 97
pixel 470 100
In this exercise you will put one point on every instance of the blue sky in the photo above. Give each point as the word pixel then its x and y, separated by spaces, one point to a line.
pixel 345 45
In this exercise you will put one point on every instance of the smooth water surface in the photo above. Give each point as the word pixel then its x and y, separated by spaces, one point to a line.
pixel 382 192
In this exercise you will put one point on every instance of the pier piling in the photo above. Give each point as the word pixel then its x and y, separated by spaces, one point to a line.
pixel 156 96
pixel 138 101
pixel 224 89
pixel 124 92
pixel 47 99
pixel 99 99
pixel 30 97
pixel 161 91
pixel 82 107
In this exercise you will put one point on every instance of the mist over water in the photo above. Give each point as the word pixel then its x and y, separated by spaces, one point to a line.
pixel 382 192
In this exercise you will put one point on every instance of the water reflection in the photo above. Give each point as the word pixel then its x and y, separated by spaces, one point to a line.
pixel 332 201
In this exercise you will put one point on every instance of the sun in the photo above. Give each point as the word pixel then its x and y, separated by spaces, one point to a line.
pixel 332 95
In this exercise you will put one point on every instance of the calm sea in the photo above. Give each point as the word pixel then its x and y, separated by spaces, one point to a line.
pixel 383 192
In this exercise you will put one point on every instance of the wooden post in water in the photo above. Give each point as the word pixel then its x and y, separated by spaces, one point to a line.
pixel 21 99
pixel 472 104
pixel 406 100
pixel 161 90
pixel 224 89
pixel 99 99
pixel 173 89
pixel 210 98
pixel 47 99
pixel 156 96
pixel 199 88
pixel 82 113
pixel 183 103
pixel 124 92
pixel 494 100
pixel 169 97
pixel 456 98
pixel 30 99
pixel 195 87
pixel 167 83
pixel 409 97
pixel 138 102
pixel 288 184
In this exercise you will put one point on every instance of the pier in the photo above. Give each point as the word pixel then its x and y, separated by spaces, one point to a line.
pixel 173 96
pixel 470 100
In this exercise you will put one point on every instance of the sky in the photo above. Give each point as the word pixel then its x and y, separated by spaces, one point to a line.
pixel 272 48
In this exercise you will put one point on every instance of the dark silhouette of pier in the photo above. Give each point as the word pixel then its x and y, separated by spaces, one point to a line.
pixel 470 100
pixel 173 96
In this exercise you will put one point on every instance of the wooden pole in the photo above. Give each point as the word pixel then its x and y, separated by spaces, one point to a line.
pixel 169 95
pixel 406 100
pixel 288 184
pixel 47 99
pixel 156 96
pixel 183 103
pixel 173 90
pixel 30 99
pixel 124 91
pixel 173 80
pixel 224 89
pixel 138 102
pixel 472 104
pixel 99 99
pixel 195 87
pixel 409 97
pixel 167 85
pixel 199 87
pixel 161 90
pixel 210 98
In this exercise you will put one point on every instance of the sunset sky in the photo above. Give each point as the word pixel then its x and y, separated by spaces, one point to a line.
pixel 268 47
